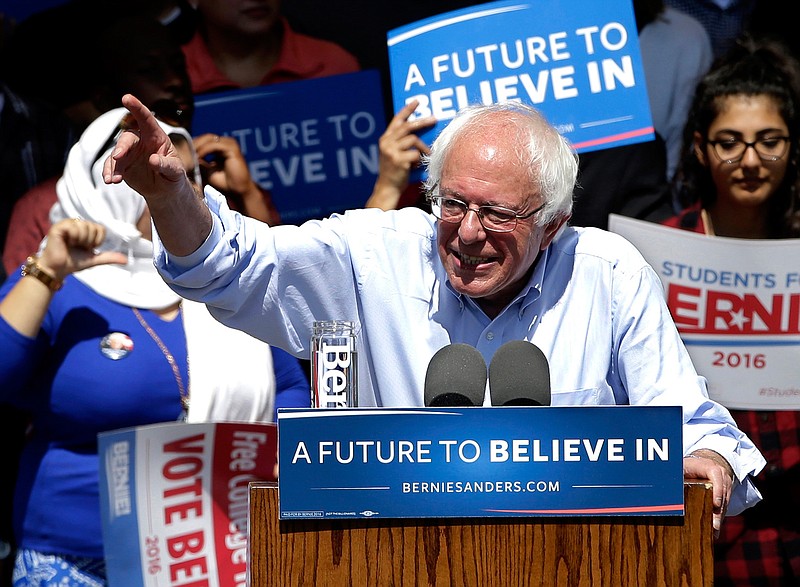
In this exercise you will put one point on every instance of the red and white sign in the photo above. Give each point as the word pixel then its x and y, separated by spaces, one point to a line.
pixel 174 500
pixel 736 303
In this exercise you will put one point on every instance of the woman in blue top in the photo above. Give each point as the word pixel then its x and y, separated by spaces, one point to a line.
pixel 93 340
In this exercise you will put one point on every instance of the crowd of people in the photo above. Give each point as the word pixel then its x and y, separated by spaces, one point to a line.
pixel 82 192
pixel 166 363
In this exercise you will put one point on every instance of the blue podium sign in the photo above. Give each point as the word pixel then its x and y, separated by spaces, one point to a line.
pixel 480 462
pixel 313 144
pixel 578 61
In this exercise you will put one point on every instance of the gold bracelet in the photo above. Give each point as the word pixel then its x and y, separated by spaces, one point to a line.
pixel 31 267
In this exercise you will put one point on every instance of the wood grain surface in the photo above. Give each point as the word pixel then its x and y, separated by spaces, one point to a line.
pixel 570 552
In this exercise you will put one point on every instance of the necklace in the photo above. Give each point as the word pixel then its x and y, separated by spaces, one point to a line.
pixel 170 359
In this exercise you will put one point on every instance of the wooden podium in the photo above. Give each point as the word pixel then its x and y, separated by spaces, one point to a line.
pixel 569 552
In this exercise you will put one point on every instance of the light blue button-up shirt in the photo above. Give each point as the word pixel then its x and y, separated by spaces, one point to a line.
pixel 593 306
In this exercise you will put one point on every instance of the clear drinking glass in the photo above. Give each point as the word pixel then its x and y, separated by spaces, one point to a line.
pixel 334 365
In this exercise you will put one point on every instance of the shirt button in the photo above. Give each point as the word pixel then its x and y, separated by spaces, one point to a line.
pixel 490 336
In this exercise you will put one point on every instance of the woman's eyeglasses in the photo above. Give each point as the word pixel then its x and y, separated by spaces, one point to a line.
pixel 768 149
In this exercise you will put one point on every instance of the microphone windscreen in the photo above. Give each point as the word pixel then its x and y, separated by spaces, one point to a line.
pixel 456 377
pixel 519 375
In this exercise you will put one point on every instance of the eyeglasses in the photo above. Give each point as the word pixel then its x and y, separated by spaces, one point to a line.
pixel 768 149
pixel 492 218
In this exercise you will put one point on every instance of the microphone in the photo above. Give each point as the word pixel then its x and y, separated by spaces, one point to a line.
pixel 456 377
pixel 519 375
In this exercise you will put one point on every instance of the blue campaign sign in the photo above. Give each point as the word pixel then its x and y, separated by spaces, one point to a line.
pixel 578 61
pixel 480 462
pixel 313 144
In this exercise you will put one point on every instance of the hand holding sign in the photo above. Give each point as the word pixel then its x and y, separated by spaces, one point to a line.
pixel 224 167
pixel 401 152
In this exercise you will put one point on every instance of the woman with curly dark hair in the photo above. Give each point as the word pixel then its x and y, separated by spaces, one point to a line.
pixel 739 178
